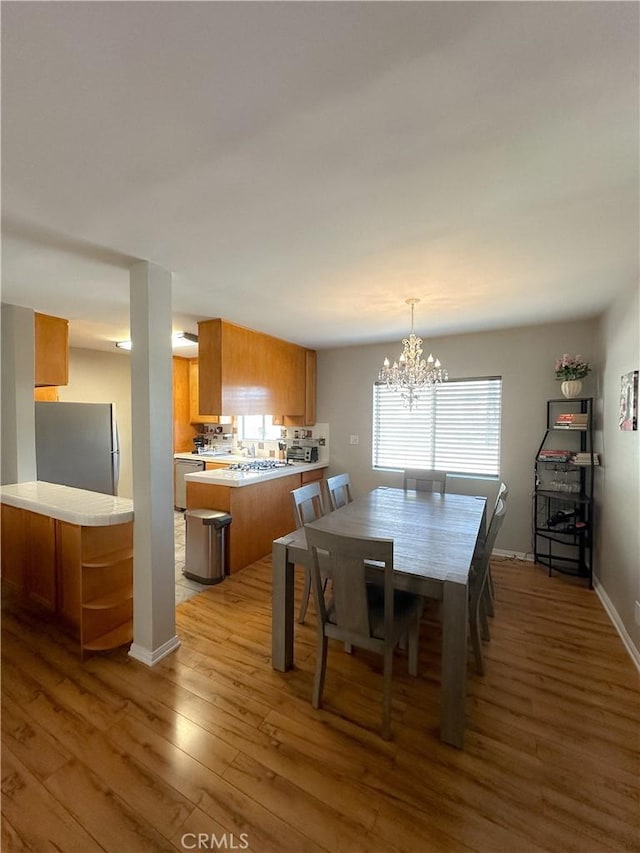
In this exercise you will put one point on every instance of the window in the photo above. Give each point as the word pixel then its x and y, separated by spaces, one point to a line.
pixel 454 427
pixel 257 428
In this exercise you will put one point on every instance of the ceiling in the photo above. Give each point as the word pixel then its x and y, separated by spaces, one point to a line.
pixel 303 168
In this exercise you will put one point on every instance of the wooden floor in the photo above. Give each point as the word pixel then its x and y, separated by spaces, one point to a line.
pixel 111 755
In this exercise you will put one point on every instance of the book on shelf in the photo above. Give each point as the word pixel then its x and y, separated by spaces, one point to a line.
pixel 561 425
pixel 575 418
pixel 586 459
pixel 554 456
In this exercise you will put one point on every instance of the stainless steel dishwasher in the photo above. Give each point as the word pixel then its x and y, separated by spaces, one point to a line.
pixel 180 468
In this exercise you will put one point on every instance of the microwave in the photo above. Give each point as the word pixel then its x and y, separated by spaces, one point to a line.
pixel 302 454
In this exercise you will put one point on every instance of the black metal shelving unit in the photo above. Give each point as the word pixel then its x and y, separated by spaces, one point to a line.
pixel 563 493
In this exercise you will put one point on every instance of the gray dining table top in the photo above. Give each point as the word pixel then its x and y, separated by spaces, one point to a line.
pixel 434 535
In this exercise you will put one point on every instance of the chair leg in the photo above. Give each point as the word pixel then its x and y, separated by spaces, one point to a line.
pixel 489 594
pixel 306 592
pixel 484 622
pixel 475 635
pixel 386 699
pixel 321 666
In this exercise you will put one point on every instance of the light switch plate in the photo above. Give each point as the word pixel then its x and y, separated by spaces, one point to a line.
pixel 354 439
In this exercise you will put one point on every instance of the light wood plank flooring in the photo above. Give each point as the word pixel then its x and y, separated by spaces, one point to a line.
pixel 110 755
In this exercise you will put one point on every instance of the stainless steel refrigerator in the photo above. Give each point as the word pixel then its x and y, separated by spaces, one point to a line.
pixel 77 445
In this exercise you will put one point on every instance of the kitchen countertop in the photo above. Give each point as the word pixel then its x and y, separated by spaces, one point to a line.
pixel 225 458
pixel 77 506
pixel 222 477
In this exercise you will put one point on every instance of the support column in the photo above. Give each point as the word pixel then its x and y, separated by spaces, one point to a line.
pixel 154 606
pixel 18 418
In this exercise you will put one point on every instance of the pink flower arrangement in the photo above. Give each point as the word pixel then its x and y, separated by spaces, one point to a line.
pixel 572 367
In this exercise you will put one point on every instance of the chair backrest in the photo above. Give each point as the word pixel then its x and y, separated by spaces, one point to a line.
pixel 307 503
pixel 425 480
pixel 347 557
pixel 503 494
pixel 482 568
pixel 339 488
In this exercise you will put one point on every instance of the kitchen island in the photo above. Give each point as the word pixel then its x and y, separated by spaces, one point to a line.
pixel 259 503
pixel 71 551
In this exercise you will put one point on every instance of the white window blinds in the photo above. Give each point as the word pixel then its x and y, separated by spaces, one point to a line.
pixel 454 427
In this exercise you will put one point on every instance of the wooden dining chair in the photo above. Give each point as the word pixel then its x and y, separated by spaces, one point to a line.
pixel 425 480
pixel 339 489
pixel 361 614
pixel 308 505
pixel 489 592
pixel 478 577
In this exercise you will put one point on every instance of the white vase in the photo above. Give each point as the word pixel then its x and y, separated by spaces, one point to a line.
pixel 571 388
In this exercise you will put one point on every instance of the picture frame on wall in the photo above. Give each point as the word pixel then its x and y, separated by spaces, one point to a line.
pixel 628 419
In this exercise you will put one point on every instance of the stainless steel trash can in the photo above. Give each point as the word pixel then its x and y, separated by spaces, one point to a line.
pixel 206 547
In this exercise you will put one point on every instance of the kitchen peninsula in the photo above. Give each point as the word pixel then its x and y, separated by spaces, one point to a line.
pixel 259 503
pixel 71 551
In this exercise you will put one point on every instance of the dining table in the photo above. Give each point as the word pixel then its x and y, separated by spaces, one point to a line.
pixel 435 538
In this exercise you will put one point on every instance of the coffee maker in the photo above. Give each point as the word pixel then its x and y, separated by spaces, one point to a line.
pixel 199 443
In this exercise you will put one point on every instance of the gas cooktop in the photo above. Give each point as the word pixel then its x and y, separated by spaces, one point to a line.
pixel 259 465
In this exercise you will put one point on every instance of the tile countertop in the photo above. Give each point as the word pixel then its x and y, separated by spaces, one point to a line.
pixel 225 458
pixel 77 506
pixel 224 477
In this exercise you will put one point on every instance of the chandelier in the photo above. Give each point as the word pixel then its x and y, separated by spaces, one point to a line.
pixel 411 372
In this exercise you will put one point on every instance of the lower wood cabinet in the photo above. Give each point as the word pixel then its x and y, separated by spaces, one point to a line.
pixel 29 555
pixel 84 574
pixel 96 583
pixel 260 512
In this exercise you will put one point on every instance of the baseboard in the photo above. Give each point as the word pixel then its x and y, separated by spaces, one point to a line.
pixel 612 613
pixel 151 657
pixel 514 555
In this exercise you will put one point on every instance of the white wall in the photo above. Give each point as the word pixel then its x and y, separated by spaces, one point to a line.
pixel 525 359
pixel 104 377
pixel 618 481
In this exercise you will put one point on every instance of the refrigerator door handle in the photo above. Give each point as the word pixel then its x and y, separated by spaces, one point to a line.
pixel 115 453
pixel 115 466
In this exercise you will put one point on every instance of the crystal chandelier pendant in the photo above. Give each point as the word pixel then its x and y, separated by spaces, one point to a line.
pixel 411 373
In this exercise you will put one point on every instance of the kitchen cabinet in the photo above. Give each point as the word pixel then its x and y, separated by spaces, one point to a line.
pixel 29 555
pixel 84 574
pixel 183 429
pixel 51 350
pixel 260 512
pixel 96 583
pixel 310 384
pixel 194 396
pixel 244 372
pixel 46 394
pixel 310 389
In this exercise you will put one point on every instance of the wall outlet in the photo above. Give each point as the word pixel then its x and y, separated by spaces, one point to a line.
pixel 637 612
pixel 354 439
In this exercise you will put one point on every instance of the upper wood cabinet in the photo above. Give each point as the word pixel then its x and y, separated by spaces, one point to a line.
pixel 309 416
pixel 243 372
pixel 46 394
pixel 183 431
pixel 51 350
pixel 311 371
pixel 195 416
